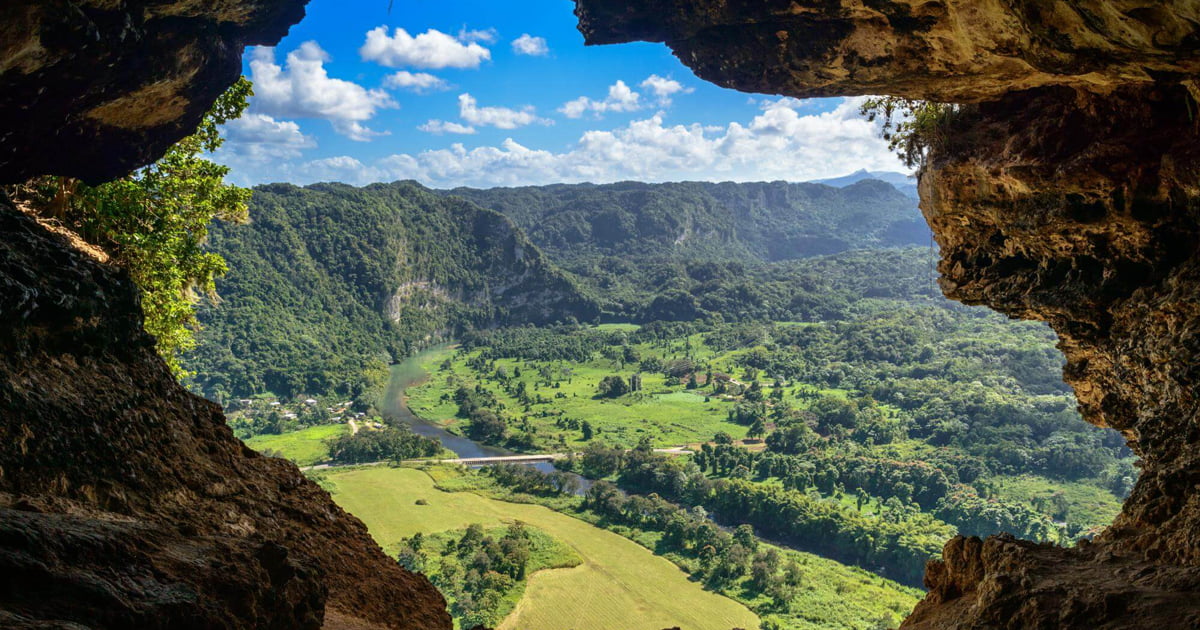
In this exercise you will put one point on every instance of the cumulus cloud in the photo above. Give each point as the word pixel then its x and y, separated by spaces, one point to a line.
pixel 779 143
pixel 527 44
pixel 260 138
pixel 663 88
pixel 419 82
pixel 431 49
pixel 620 99
pixel 499 117
pixel 303 89
pixel 441 126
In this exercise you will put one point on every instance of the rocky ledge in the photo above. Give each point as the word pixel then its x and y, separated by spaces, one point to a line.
pixel 1065 189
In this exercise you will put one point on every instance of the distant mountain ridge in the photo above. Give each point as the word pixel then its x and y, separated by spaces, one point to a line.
pixel 906 184
pixel 762 222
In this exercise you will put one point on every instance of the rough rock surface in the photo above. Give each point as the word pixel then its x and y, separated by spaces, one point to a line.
pixel 94 88
pixel 1067 191
pixel 125 501
pixel 944 50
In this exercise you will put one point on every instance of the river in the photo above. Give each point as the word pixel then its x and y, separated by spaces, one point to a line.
pixel 408 373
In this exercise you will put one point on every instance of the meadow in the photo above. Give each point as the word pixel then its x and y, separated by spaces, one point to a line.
pixel 664 410
pixel 619 586
pixel 304 447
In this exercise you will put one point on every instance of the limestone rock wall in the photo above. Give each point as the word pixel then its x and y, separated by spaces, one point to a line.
pixel 1068 190
pixel 125 501
pixel 95 88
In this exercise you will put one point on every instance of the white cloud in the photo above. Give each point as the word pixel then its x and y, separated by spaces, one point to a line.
pixel 527 44
pixel 620 99
pixel 441 126
pixel 499 117
pixel 419 82
pixel 305 90
pixel 260 138
pixel 431 49
pixel 663 88
pixel 487 35
pixel 778 144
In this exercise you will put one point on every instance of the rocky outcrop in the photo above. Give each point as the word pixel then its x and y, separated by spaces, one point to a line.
pixel 943 50
pixel 95 88
pixel 1067 191
pixel 125 501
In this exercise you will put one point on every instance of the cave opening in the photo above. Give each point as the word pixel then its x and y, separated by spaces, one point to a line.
pixel 1065 195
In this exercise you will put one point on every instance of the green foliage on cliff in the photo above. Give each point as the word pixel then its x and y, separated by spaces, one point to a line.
pixel 154 223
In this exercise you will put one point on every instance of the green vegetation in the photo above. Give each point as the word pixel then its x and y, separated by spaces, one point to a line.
pixel 884 433
pixel 787 589
pixel 913 128
pixel 617 581
pixel 676 251
pixel 481 572
pixel 809 382
pixel 304 447
pixel 154 222
pixel 329 284
pixel 386 443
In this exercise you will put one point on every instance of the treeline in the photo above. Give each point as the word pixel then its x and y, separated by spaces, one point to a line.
pixel 895 543
pixel 723 558
pixel 894 485
pixel 391 443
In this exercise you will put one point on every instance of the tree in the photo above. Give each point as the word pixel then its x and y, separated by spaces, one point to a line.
pixel 911 127
pixel 613 387
pixel 486 427
pixel 588 432
pixel 154 222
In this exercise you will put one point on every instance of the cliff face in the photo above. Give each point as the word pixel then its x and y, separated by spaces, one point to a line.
pixel 1069 192
pixel 125 501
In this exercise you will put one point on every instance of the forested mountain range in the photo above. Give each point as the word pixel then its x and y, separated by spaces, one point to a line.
pixel 680 251
pixel 761 221
pixel 330 282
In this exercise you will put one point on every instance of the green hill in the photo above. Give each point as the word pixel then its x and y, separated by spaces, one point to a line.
pixel 329 282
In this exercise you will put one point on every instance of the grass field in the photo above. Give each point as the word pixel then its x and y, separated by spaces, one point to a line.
pixel 663 410
pixel 1091 507
pixel 305 447
pixel 619 586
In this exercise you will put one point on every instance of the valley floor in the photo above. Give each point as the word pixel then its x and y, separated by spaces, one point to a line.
pixel 619 583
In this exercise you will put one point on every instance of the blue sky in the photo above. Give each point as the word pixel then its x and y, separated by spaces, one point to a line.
pixel 496 94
